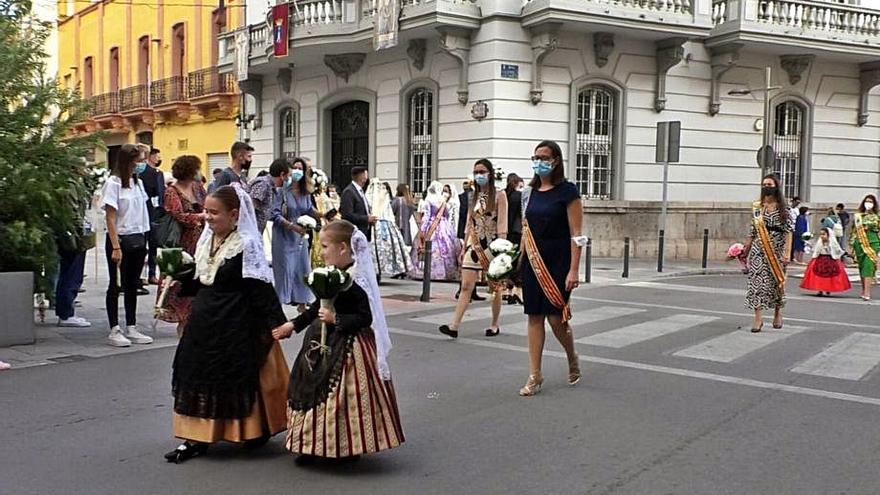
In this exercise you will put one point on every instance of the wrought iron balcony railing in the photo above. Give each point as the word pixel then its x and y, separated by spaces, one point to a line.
pixel 209 81
pixel 168 90
pixel 134 98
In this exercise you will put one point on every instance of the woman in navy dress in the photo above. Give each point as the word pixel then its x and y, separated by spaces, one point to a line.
pixel 552 210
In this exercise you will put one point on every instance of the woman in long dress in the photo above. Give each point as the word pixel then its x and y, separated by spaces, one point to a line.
pixel 866 242
pixel 342 404
pixel 184 201
pixel 323 205
pixel 390 254
pixel 229 376
pixel 768 248
pixel 437 225
pixel 290 248
pixel 404 207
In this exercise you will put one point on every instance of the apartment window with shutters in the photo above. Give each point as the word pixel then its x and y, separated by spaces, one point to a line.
pixel 595 141
pixel 788 142
pixel 420 139
pixel 287 126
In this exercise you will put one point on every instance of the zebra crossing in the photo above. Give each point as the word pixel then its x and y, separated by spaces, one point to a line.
pixel 850 355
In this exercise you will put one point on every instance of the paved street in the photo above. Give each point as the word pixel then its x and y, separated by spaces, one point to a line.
pixel 678 397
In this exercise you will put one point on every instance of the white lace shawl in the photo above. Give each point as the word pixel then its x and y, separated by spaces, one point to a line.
pixel 365 276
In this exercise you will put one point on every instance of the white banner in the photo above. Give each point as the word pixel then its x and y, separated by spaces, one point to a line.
pixel 242 53
pixel 386 26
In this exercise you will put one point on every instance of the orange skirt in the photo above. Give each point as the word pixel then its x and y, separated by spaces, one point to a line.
pixel 269 415
pixel 360 415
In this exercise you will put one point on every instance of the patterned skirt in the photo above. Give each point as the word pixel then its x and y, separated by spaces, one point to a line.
pixel 359 417
pixel 826 274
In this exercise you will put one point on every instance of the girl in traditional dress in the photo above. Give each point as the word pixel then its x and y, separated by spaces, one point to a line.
pixel 229 377
pixel 184 201
pixel 866 242
pixel 290 249
pixel 826 273
pixel 390 254
pixel 486 221
pixel 436 225
pixel 768 248
pixel 342 404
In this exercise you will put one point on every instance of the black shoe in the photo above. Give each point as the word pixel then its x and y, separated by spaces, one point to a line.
pixel 305 460
pixel 445 330
pixel 490 333
pixel 142 291
pixel 756 330
pixel 477 297
pixel 185 451
pixel 256 443
pixel 514 299
pixel 457 293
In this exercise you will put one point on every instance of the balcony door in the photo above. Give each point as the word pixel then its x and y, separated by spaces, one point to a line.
pixel 350 140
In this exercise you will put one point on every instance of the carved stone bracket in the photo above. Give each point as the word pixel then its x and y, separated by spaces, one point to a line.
pixel 669 53
pixel 603 45
pixel 253 87
pixel 457 43
pixel 869 78
pixel 345 64
pixel 285 78
pixel 723 59
pixel 545 39
pixel 795 65
pixel 416 51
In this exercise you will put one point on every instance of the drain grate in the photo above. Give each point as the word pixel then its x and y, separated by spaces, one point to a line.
pixel 73 358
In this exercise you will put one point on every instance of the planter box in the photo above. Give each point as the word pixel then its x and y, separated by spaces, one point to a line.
pixel 16 308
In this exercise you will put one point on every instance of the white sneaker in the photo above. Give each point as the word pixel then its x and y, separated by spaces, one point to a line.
pixel 74 322
pixel 132 334
pixel 116 339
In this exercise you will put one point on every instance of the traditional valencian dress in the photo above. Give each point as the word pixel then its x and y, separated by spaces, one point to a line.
pixel 343 404
pixel 389 250
pixel 826 272
pixel 438 225
pixel 866 243
pixel 229 375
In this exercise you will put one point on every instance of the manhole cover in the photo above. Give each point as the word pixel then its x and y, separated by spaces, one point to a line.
pixel 69 359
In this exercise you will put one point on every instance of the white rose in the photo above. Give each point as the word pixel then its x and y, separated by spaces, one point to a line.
pixel 500 246
pixel 187 259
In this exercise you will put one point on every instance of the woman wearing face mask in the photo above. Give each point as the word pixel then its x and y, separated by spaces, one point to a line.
pixel 768 248
pixel 552 218
pixel 866 242
pixel 436 226
pixel 486 221
pixel 290 249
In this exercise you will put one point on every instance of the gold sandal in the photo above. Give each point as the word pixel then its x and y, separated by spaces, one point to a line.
pixel 574 371
pixel 533 385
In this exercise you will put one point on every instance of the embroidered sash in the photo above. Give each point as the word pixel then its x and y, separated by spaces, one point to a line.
pixel 767 245
pixel 862 236
pixel 545 280
pixel 436 222
pixel 482 257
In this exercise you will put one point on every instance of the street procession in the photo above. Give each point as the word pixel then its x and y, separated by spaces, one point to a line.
pixel 342 233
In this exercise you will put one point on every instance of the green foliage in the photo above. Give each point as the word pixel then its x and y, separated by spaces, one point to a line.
pixel 44 177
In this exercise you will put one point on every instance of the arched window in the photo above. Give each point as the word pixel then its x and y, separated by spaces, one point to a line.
pixel 287 135
pixel 595 141
pixel 788 142
pixel 420 139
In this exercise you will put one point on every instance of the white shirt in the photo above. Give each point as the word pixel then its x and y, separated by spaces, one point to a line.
pixel 130 204
pixel 364 197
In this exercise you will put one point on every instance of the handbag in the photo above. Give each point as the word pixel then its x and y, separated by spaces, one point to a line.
pixel 166 231
pixel 133 242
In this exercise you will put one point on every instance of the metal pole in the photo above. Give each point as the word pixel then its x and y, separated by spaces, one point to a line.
pixel 588 262
pixel 766 136
pixel 660 252
pixel 705 248
pixel 426 275
pixel 663 214
pixel 625 257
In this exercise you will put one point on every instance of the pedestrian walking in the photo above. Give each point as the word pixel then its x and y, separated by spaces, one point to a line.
pixel 354 206
pixel 404 206
pixel 826 272
pixel 768 247
pixel 229 376
pixel 124 202
pixel 461 223
pixel 438 227
pixel 486 220
pixel 215 174
pixel 262 190
pixel 72 248
pixel 513 191
pixel 801 226
pixel 290 248
pixel 552 218
pixel 866 242
pixel 241 155
pixel 342 403
pixel 154 184
pixel 390 254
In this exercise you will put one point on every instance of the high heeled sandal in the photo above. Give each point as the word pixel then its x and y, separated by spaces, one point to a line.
pixel 186 451
pixel 493 333
pixel 756 330
pixel 574 371
pixel 532 386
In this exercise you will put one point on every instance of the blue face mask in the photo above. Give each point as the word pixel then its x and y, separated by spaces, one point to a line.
pixel 140 167
pixel 541 167
pixel 481 179
pixel 288 182
pixel 296 174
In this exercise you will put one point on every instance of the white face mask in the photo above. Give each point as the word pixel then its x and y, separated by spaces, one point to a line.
pixel 869 206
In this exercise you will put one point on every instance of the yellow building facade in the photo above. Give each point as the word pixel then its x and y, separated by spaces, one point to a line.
pixel 149 68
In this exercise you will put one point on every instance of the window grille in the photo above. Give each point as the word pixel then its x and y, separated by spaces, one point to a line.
pixel 787 143
pixel 419 168
pixel 288 133
pixel 594 141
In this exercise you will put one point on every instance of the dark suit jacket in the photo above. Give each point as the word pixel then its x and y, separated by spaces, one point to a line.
pixel 514 213
pixel 154 185
pixel 462 213
pixel 354 209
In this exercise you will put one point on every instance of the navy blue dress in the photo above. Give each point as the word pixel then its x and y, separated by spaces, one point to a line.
pixel 548 220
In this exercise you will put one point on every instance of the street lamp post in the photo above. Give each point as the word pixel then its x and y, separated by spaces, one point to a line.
pixel 765 138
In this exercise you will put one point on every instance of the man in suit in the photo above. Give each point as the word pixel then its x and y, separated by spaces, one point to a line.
pixel 354 206
pixel 466 188
pixel 154 185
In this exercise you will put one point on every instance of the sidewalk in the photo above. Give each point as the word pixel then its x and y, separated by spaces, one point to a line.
pixel 59 345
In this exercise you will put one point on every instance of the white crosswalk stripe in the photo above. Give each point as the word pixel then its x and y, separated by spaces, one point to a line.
pixel 732 346
pixel 472 314
pixel 648 330
pixel 581 318
pixel 850 358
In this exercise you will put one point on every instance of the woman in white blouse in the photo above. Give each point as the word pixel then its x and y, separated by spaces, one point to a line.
pixel 125 203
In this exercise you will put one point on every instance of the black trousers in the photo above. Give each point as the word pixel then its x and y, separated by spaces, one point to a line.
pixel 70 278
pixel 128 272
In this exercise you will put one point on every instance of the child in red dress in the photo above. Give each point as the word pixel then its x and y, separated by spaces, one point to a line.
pixel 826 273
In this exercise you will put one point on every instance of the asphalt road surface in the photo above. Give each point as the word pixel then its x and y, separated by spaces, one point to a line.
pixel 678 397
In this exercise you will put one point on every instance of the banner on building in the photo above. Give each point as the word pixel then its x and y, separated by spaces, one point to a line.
pixel 386 26
pixel 280 29
pixel 242 54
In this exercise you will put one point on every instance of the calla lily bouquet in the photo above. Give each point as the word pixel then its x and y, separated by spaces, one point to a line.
pixel 503 264
pixel 174 264
pixel 326 283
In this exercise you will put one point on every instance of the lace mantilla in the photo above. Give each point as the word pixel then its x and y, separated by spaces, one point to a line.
pixel 206 266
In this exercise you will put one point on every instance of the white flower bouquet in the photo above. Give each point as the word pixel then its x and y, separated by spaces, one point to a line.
pixel 320 178
pixel 499 246
pixel 502 265
pixel 326 283
pixel 807 236
pixel 307 222
pixel 174 264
